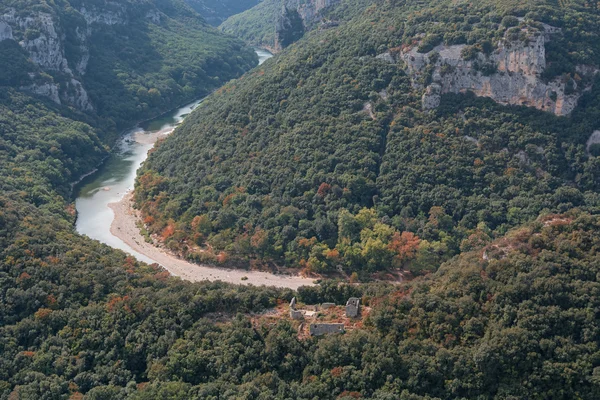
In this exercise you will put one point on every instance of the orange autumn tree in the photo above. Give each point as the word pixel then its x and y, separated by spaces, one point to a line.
pixel 405 245
pixel 368 243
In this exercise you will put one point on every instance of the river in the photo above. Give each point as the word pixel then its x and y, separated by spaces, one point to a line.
pixel 116 176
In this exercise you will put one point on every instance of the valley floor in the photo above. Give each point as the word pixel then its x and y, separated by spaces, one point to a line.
pixel 124 227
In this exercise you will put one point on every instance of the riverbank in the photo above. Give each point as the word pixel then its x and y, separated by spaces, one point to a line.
pixel 124 227
pixel 104 211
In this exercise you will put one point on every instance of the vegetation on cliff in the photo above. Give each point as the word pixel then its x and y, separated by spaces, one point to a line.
pixel 321 157
pixel 256 25
pixel 134 59
pixel 328 131
pixel 215 12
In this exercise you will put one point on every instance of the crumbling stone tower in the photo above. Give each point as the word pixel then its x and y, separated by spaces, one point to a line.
pixel 352 307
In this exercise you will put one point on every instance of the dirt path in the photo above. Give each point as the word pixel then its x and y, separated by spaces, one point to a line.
pixel 124 227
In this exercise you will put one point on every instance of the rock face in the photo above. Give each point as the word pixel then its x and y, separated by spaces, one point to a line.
pixel 509 75
pixel 113 13
pixel 310 10
pixel 5 31
pixel 289 28
pixel 592 140
pixel 297 17
pixel 49 90
pixel 45 48
pixel 42 37
pixel 44 42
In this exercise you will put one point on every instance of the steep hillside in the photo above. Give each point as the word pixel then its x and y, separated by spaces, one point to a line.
pixel 325 154
pixel 256 25
pixel 517 322
pixel 275 24
pixel 334 155
pixel 215 12
pixel 123 61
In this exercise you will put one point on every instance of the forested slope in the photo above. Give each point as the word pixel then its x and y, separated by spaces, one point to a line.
pixel 256 25
pixel 215 12
pixel 519 324
pixel 122 61
pixel 324 157
pixel 513 316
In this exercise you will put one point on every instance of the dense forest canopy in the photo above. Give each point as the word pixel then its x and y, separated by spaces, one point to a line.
pixel 216 11
pixel 322 158
pixel 255 25
pixel 132 59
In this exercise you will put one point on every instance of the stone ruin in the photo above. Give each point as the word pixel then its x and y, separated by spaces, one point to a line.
pixel 295 314
pixel 352 307
pixel 316 329
pixel 323 329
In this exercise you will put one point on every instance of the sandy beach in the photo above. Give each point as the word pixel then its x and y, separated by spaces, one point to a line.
pixel 124 227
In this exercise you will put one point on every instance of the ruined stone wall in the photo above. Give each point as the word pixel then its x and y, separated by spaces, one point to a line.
pixel 352 307
pixel 323 329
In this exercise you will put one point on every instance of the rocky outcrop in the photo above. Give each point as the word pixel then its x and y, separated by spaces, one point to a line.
pixel 76 95
pixel 509 75
pixel 49 90
pixel 592 140
pixel 154 16
pixel 113 13
pixel 44 46
pixel 310 11
pixel 297 17
pixel 84 51
pixel 42 38
pixel 5 31
pixel 289 28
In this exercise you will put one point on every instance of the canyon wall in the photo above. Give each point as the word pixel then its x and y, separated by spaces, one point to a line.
pixel 510 74
pixel 296 17
pixel 42 36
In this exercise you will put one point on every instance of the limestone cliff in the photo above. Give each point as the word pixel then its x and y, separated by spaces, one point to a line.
pixel 511 74
pixel 43 36
pixel 111 13
pixel 297 17
pixel 40 35
pixel 5 31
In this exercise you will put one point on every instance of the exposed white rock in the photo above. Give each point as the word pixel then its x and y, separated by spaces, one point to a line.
pixel 81 65
pixel 310 10
pixel 593 139
pixel 432 96
pixel 516 80
pixel 154 16
pixel 383 94
pixel 368 108
pixel 108 17
pixel 5 31
pixel 471 139
pixel 49 90
pixel 387 57
pixel 76 95
pixel 46 49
